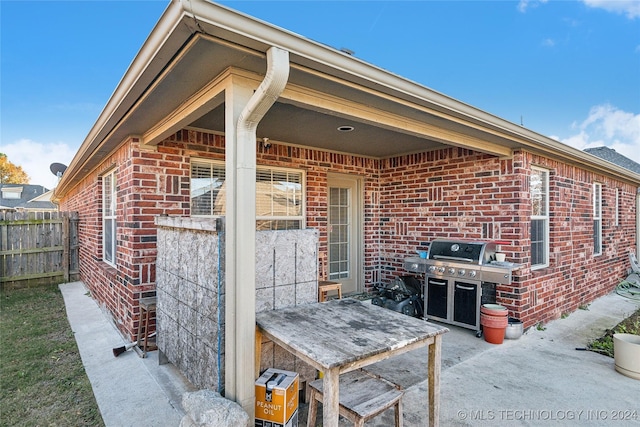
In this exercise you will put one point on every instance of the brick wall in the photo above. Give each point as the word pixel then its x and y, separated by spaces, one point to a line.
pixel 451 193
pixel 408 201
pixel 148 184
pixel 575 275
pixel 457 193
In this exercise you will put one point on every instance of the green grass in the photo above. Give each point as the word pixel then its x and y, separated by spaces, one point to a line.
pixel 42 380
pixel 604 344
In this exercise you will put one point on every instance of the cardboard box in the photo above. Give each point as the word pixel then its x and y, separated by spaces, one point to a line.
pixel 277 399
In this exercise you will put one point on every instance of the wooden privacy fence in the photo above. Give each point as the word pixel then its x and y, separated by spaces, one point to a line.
pixel 38 248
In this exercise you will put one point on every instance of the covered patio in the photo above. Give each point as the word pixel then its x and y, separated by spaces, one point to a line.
pixel 212 83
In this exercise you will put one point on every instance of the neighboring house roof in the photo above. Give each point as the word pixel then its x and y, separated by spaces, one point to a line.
pixel 44 197
pixel 26 196
pixel 611 155
pixel 199 49
pixel 41 203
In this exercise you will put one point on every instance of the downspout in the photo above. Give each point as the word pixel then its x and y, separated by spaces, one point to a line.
pixel 244 302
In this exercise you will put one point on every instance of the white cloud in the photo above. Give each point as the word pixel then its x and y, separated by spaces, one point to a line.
pixel 548 42
pixel 523 5
pixel 35 158
pixel 608 126
pixel 631 8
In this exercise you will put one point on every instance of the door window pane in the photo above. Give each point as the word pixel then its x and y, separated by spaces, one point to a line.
pixel 339 232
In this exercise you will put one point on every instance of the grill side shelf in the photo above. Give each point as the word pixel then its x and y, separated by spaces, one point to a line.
pixel 415 265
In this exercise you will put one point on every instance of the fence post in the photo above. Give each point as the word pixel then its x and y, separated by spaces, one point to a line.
pixel 4 244
pixel 66 259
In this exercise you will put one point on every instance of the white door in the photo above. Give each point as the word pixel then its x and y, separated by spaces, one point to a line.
pixel 344 231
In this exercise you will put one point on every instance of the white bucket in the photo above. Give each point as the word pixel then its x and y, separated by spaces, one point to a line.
pixel 626 353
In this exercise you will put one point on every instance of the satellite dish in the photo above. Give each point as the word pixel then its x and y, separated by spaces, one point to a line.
pixel 57 169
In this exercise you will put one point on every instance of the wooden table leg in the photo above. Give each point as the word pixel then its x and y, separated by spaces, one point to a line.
pixel 331 402
pixel 258 355
pixel 435 350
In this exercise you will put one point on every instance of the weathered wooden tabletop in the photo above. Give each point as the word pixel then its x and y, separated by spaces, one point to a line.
pixel 340 332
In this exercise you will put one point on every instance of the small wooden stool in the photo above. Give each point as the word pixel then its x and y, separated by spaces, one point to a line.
pixel 362 397
pixel 325 286
pixel 147 307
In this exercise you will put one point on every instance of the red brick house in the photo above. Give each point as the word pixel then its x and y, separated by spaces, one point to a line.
pixel 218 107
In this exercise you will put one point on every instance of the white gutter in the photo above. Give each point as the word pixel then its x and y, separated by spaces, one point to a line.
pixel 240 285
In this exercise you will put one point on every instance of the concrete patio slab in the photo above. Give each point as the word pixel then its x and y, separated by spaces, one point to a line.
pixel 130 390
pixel 539 379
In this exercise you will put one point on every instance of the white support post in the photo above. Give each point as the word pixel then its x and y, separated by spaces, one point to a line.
pixel 244 110
pixel 236 98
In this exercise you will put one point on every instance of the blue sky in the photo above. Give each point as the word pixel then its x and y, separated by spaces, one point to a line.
pixel 566 69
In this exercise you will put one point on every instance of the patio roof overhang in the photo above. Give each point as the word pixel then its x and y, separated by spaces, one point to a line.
pixel 178 80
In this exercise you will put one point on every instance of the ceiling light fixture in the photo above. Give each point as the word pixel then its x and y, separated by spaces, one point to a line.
pixel 346 128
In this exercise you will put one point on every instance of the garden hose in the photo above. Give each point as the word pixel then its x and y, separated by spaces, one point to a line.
pixel 629 289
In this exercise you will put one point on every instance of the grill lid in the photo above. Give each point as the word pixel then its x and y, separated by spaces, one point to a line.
pixel 469 252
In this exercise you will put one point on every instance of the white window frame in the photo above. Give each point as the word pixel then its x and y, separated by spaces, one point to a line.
pixel 109 216
pixel 220 166
pixel 542 216
pixel 597 218
pixel 12 193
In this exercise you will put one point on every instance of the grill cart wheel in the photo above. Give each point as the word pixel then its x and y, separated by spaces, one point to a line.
pixel 379 301
pixel 409 310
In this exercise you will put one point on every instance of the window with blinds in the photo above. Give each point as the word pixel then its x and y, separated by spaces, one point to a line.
pixel 109 197
pixel 207 188
pixel 539 193
pixel 279 195
pixel 278 199
pixel 597 218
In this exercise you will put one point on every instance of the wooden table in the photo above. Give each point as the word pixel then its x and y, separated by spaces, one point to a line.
pixel 339 336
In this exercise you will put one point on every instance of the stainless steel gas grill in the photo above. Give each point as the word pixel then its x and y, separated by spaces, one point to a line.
pixel 460 276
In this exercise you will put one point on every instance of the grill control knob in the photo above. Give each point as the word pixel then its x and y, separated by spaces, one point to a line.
pixel 441 269
pixel 461 272
pixel 452 270
pixel 472 273
pixel 432 268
